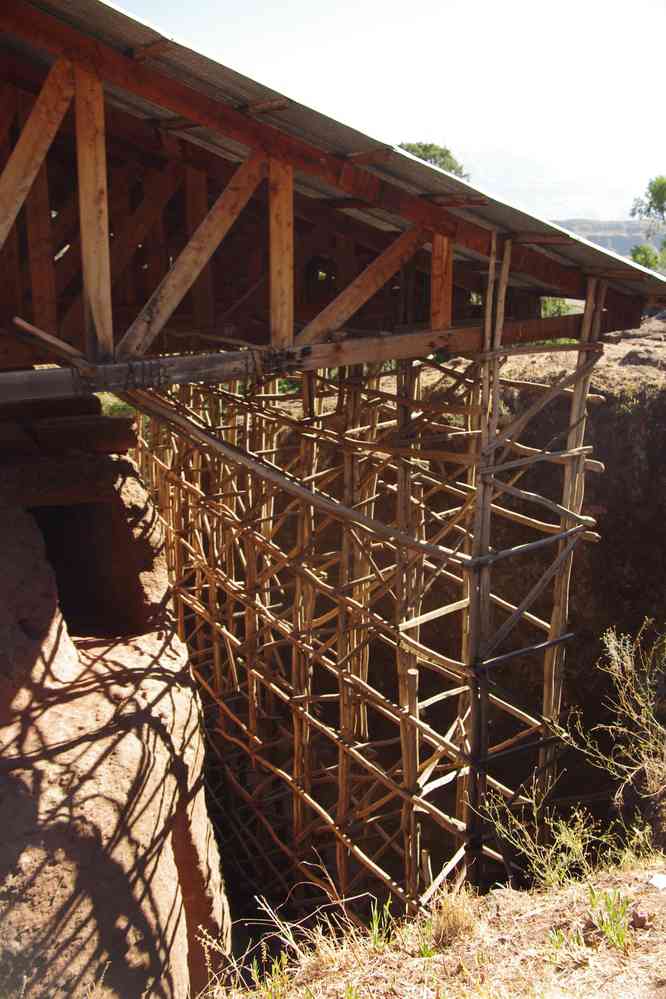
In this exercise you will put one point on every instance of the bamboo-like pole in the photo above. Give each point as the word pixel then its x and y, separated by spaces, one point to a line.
pixel 573 489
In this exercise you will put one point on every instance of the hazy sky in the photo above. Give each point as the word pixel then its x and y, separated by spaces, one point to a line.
pixel 556 107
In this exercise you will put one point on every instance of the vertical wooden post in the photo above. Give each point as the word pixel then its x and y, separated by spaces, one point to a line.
pixel 407 605
pixel 196 209
pixel 410 764
pixel 93 213
pixel 479 586
pixel 281 252
pixel 441 283
pixel 303 612
pixel 572 498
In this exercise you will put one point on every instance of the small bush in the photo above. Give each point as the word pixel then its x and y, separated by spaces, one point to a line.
pixel 452 917
pixel 113 406
pixel 631 747
pixel 609 916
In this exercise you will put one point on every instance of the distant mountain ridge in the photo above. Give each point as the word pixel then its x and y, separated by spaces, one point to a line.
pixel 618 235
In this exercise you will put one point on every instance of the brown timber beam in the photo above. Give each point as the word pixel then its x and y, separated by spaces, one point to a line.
pixel 281 252
pixel 93 214
pixel 40 248
pixel 37 135
pixel 230 365
pixel 441 283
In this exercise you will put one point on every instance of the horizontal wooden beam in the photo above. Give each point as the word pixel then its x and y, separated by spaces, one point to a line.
pixel 253 362
pixel 541 238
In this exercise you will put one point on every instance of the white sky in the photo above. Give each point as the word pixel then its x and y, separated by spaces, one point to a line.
pixel 556 107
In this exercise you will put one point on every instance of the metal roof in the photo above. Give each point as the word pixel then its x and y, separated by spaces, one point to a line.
pixel 112 26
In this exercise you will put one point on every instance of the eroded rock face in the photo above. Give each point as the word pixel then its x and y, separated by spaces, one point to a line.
pixel 108 864
pixel 127 577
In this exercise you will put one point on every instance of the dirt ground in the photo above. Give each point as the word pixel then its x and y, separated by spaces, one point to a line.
pixel 633 360
pixel 516 945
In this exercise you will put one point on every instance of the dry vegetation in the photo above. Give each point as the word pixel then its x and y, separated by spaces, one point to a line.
pixel 604 937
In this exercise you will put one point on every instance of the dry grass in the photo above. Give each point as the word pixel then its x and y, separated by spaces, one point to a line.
pixel 453 918
pixel 602 938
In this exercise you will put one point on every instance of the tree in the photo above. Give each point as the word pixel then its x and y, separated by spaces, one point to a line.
pixel 439 156
pixel 652 206
pixel 645 255
pixel 552 308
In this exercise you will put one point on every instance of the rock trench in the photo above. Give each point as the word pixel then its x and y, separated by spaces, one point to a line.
pixel 108 862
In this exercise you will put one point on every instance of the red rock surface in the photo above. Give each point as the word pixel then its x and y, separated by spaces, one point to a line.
pixel 107 859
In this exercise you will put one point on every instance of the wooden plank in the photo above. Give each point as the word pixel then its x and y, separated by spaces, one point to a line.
pixel 196 209
pixel 441 283
pixel 203 243
pixel 36 137
pixel 93 213
pixel 362 288
pixel 281 252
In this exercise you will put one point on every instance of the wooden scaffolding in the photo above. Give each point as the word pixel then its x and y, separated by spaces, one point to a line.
pixel 374 593
pixel 332 540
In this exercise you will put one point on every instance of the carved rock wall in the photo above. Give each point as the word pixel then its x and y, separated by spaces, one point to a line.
pixel 108 864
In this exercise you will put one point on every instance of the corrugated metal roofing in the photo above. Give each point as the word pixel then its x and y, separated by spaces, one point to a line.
pixel 125 33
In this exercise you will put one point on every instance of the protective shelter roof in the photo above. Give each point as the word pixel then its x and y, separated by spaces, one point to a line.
pixel 109 24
